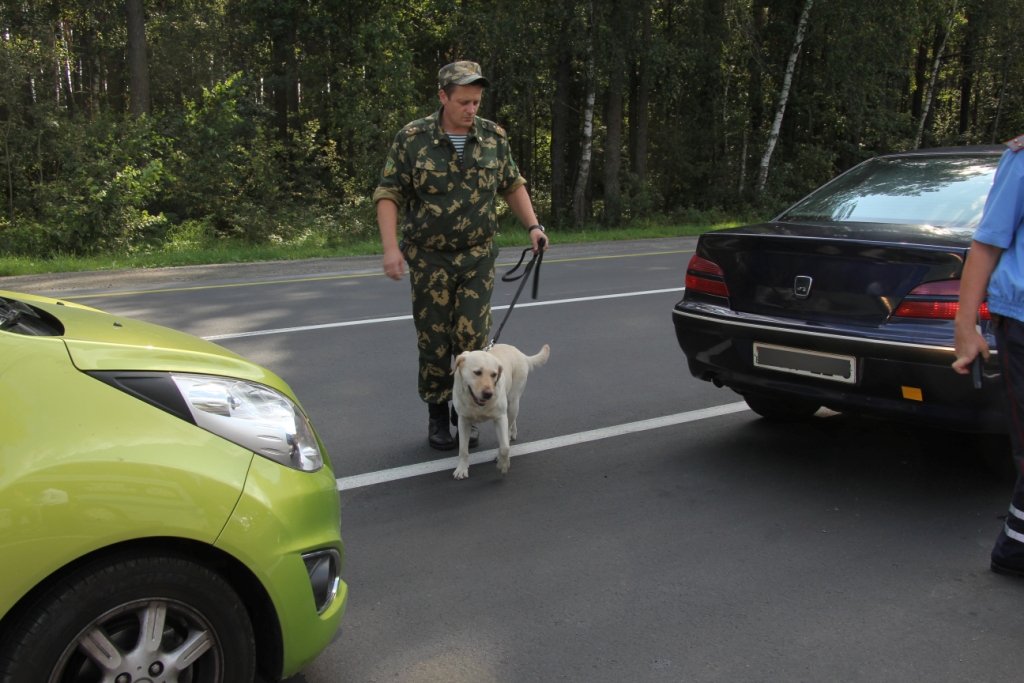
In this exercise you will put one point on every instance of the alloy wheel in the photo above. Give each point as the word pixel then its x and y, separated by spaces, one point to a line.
pixel 144 641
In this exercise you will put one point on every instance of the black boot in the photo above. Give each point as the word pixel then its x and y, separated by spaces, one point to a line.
pixel 438 434
pixel 474 433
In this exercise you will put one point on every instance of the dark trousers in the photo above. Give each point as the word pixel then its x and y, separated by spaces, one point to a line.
pixel 1009 548
pixel 451 307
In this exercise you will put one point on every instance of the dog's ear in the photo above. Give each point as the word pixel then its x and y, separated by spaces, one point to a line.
pixel 497 379
pixel 458 361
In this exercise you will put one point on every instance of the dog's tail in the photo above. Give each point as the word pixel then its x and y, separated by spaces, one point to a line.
pixel 540 359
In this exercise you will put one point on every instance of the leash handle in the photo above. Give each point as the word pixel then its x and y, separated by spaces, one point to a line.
pixel 540 257
pixel 507 277
pixel 524 276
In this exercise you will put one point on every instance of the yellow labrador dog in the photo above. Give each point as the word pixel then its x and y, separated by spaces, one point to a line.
pixel 488 385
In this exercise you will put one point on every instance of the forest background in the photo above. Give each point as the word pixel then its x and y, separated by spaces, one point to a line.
pixel 142 126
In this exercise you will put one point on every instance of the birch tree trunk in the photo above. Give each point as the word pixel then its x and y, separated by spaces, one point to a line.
pixel 279 50
pixel 935 76
pixel 138 66
pixel 755 68
pixel 639 118
pixel 743 164
pixel 559 132
pixel 10 177
pixel 579 195
pixel 780 111
pixel 999 107
pixel 970 46
pixel 613 145
pixel 54 51
pixel 920 66
pixel 69 94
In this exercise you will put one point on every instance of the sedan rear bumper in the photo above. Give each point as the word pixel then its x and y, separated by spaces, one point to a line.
pixel 891 364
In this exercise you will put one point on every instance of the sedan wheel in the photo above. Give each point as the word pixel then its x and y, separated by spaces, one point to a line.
pixel 139 620
pixel 780 409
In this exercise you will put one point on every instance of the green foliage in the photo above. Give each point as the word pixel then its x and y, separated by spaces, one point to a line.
pixel 271 119
pixel 806 168
pixel 99 183
pixel 224 160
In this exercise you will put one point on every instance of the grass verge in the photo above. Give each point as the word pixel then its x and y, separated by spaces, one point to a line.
pixel 238 252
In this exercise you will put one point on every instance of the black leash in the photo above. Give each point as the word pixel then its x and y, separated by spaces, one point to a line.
pixel 524 276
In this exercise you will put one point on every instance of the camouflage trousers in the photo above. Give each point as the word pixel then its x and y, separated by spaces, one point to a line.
pixel 451 307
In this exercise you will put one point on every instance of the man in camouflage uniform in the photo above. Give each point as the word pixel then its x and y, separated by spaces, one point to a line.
pixel 442 175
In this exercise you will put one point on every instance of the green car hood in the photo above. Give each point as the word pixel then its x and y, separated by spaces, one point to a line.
pixel 100 341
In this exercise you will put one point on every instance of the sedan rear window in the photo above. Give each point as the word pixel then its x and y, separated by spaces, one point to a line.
pixel 943 191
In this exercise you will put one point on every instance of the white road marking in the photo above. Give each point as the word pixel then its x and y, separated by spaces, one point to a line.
pixel 371 321
pixel 396 473
pixel 306 328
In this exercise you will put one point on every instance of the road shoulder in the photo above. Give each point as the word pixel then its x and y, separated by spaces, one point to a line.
pixel 58 284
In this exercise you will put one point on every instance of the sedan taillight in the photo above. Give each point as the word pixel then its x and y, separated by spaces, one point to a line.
pixel 935 301
pixel 705 276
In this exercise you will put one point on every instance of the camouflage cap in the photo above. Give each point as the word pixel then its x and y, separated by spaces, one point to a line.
pixel 461 73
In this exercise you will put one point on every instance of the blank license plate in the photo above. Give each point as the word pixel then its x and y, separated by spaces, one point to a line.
pixel 807 363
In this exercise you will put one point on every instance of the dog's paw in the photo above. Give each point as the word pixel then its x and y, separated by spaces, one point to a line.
pixel 462 472
pixel 502 464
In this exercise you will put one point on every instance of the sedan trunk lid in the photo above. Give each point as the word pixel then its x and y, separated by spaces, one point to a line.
pixel 853 273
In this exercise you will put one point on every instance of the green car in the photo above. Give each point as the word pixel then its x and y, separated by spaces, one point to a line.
pixel 166 509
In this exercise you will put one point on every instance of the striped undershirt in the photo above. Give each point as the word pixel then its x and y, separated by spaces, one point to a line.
pixel 459 141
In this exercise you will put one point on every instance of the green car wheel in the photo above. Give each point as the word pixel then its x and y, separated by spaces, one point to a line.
pixel 135 619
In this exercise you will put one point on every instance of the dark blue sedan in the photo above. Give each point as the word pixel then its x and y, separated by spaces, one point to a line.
pixel 847 299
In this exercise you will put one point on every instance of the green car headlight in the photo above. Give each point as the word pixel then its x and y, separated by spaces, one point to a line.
pixel 253 416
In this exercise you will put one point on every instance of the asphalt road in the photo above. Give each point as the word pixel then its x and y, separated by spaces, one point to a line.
pixel 722 548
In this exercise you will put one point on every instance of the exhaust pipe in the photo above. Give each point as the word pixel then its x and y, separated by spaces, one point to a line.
pixel 712 377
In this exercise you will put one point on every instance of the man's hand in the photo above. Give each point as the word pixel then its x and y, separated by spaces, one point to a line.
pixel 394 263
pixel 968 343
pixel 535 237
pixel 387 220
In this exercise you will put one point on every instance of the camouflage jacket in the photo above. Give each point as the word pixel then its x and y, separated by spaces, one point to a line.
pixel 448 205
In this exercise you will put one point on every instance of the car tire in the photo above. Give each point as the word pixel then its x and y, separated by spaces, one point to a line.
pixel 780 409
pixel 92 626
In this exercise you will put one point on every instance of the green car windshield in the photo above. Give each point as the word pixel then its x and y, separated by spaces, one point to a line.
pixel 942 191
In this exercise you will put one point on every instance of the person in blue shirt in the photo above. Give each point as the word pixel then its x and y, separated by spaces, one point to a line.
pixel 995 265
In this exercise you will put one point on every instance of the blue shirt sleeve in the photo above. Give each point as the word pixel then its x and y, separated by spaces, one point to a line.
pixel 1004 208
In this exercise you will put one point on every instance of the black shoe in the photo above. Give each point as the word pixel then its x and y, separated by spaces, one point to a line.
pixel 1007 571
pixel 438 434
pixel 474 433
